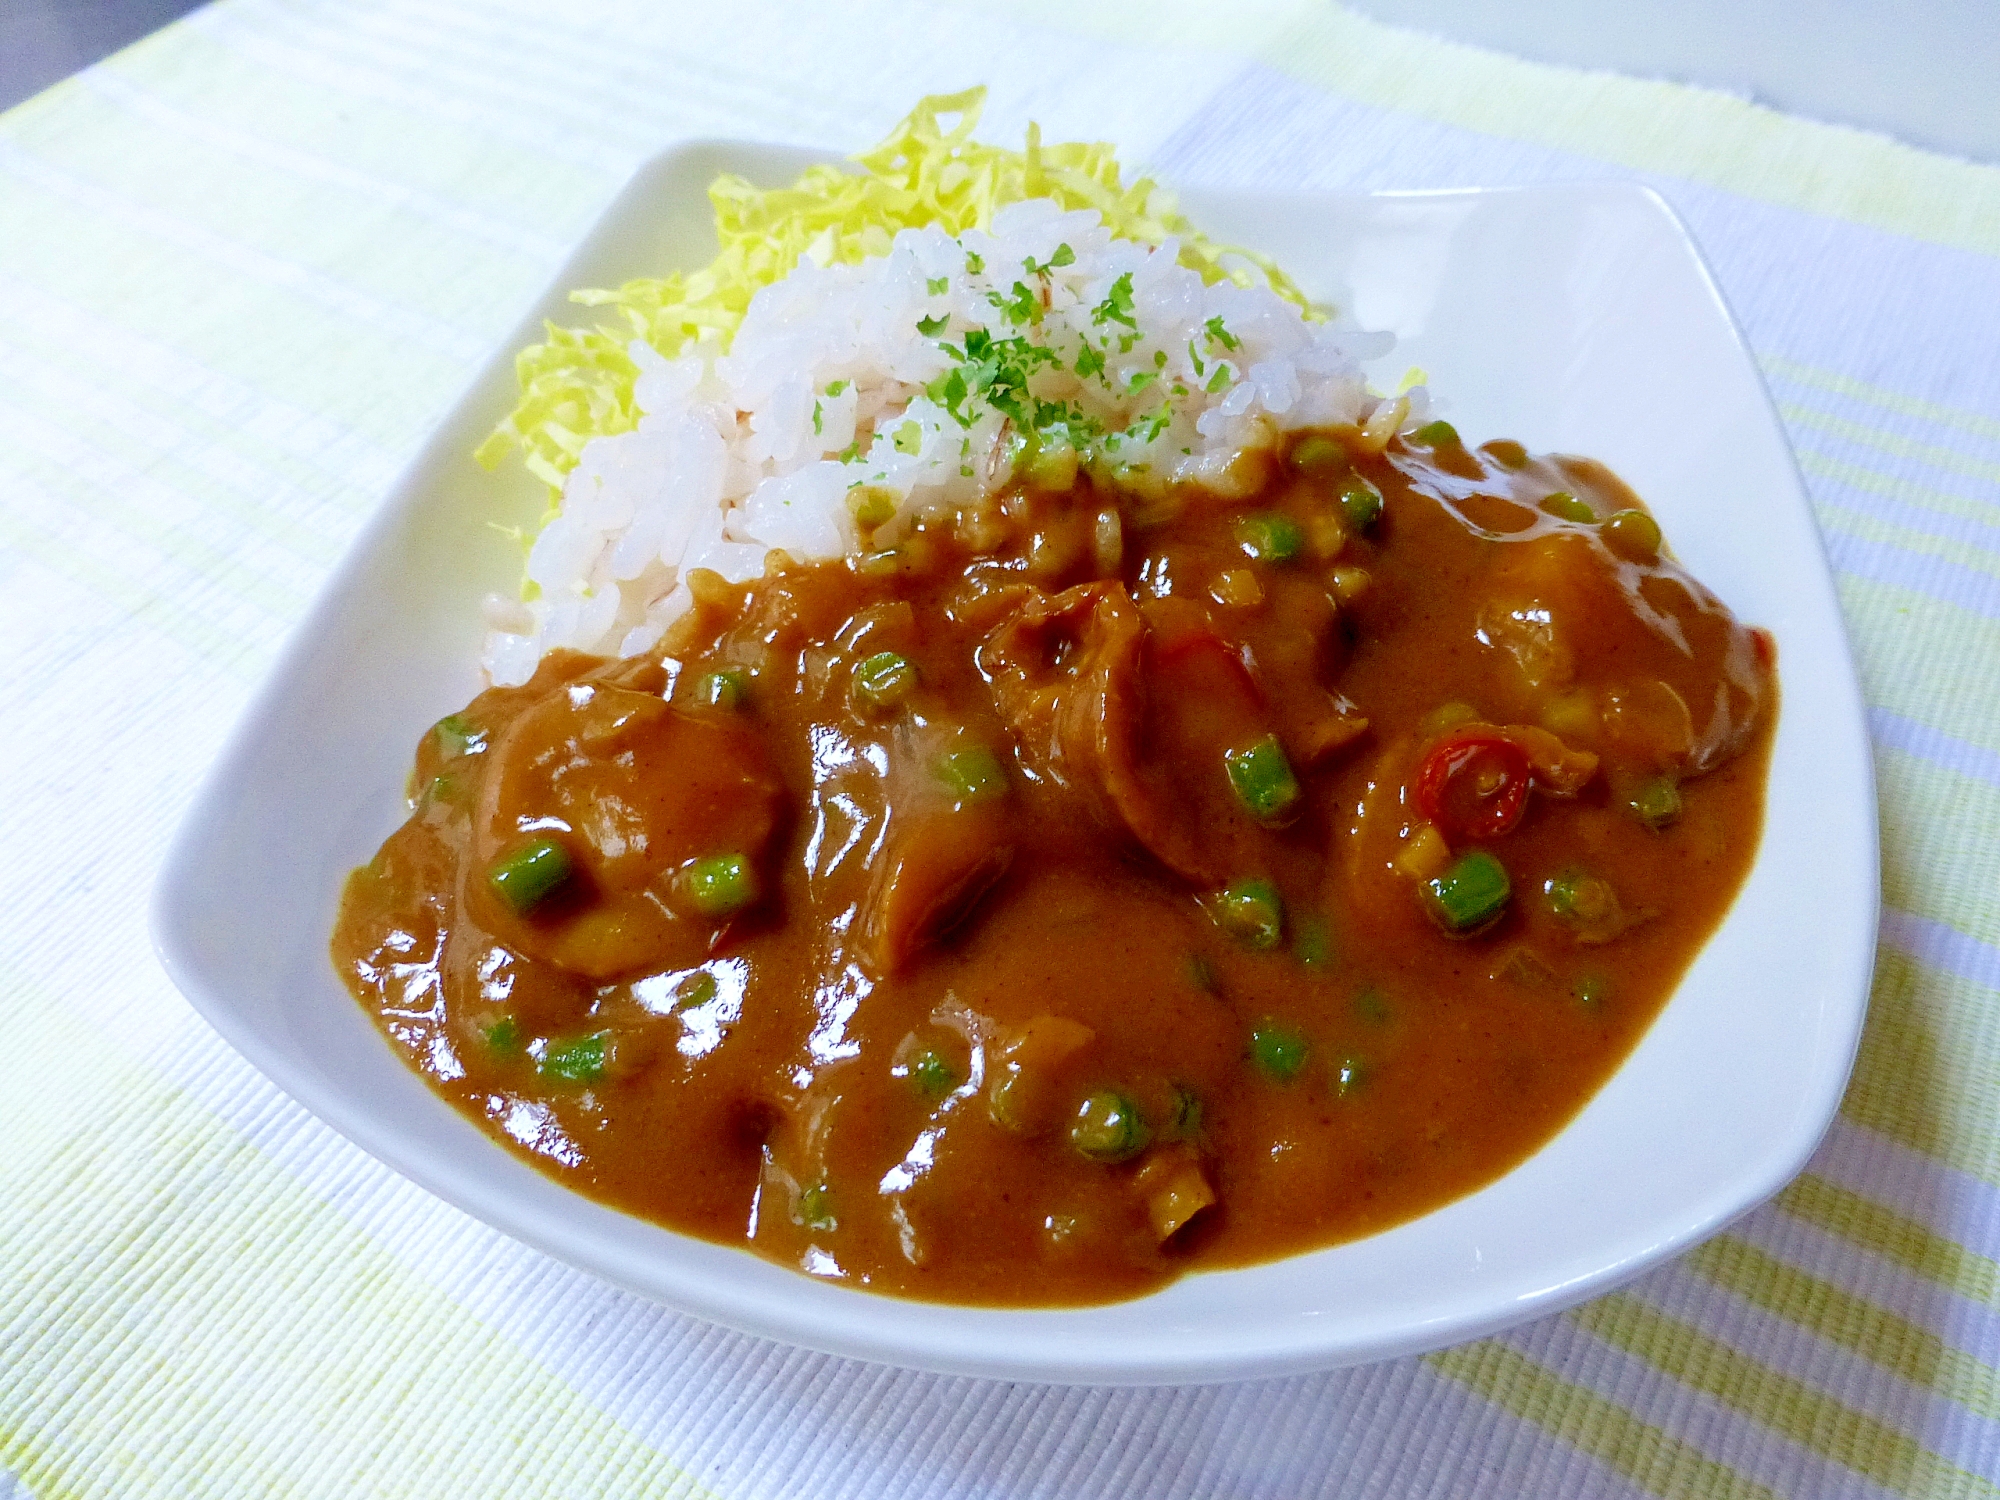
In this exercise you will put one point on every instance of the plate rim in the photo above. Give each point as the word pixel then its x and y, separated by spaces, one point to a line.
pixel 916 1346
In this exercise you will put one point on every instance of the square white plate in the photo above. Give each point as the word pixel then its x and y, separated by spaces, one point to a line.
pixel 1575 318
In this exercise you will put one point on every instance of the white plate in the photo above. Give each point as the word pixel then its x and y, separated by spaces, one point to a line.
pixel 1574 318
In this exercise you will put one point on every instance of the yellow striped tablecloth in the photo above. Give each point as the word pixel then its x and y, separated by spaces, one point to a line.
pixel 243 269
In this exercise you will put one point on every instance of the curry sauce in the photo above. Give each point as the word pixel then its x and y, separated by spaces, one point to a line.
pixel 1107 884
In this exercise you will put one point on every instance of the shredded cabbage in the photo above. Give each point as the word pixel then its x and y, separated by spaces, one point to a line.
pixel 578 383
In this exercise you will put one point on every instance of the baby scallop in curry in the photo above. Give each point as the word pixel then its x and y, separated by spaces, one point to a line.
pixel 1106 885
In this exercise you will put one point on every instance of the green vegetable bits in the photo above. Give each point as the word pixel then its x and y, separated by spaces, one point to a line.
pixel 1278 1050
pixel 1251 911
pixel 884 681
pixel 1317 454
pixel 695 991
pixel 529 878
pixel 972 773
pixel 815 1209
pixel 1261 776
pixel 1656 803
pixel 1360 503
pixel 1470 896
pixel 1565 506
pixel 719 885
pixel 1633 534
pixel 1270 536
pixel 1591 991
pixel 726 687
pixel 580 1060
pixel 932 1075
pixel 458 734
pixel 1312 942
pixel 443 791
pixel 1109 1128
pixel 1587 904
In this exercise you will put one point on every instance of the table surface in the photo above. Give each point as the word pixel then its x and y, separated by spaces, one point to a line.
pixel 1921 73
pixel 44 41
pixel 245 265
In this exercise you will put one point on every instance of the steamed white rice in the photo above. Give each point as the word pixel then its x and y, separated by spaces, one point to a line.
pixel 823 390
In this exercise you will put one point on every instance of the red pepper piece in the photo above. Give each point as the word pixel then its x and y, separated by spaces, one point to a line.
pixel 1474 784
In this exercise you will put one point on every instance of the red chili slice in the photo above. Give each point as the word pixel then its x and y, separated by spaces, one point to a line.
pixel 1474 785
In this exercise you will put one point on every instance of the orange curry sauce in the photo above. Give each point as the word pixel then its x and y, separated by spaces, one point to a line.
pixel 1063 900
